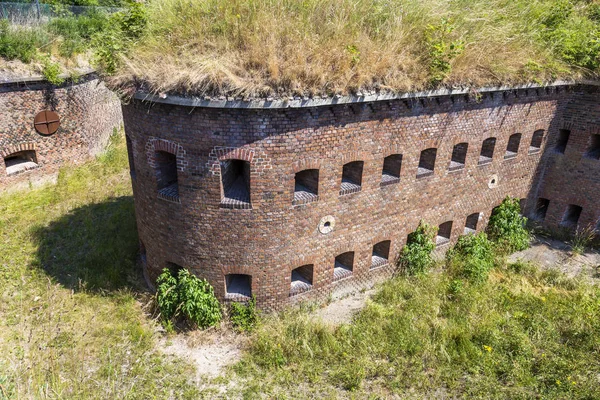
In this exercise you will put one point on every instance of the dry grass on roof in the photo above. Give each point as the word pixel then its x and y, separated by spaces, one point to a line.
pixel 251 48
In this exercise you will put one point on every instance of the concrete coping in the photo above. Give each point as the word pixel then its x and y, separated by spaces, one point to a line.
pixel 296 102
pixel 41 79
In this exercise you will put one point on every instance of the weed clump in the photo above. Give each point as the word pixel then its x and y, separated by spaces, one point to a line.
pixel 244 317
pixel 472 257
pixel 507 227
pixel 415 257
pixel 188 297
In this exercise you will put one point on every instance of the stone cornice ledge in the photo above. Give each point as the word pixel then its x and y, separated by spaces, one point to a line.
pixel 41 79
pixel 336 100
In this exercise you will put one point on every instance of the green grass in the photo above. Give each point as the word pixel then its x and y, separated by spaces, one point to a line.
pixel 524 334
pixel 73 321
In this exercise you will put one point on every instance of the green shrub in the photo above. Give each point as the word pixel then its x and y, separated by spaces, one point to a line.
pixel 415 257
pixel 76 32
pixel 188 297
pixel 507 227
pixel 472 257
pixel 18 43
pixel 442 49
pixel 244 316
pixel 51 71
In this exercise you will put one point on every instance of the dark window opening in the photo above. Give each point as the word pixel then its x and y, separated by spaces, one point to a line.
pixel 381 254
pixel 444 233
pixel 168 187
pixel 351 177
pixel 391 169
pixel 238 287
pixel 306 186
pixel 172 267
pixel 513 146
pixel 235 181
pixel 302 279
pixel 459 156
pixel 541 208
pixel 536 141
pixel 20 162
pixel 487 151
pixel 426 163
pixel 143 253
pixel 594 150
pixel 471 223
pixel 344 263
pixel 563 139
pixel 571 217
pixel 130 156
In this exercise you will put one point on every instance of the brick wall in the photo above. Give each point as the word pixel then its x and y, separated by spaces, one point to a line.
pixel 88 112
pixel 275 236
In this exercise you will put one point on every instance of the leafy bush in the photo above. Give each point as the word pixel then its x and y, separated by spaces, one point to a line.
pixel 415 257
pixel 442 49
pixel 244 316
pixel 472 257
pixel 507 227
pixel 76 32
pixel 188 297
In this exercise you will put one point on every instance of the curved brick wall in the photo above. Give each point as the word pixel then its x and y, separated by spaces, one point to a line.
pixel 191 167
pixel 88 112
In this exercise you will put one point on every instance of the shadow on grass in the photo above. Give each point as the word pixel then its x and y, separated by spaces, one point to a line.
pixel 93 247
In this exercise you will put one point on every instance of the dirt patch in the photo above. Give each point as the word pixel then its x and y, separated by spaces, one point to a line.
pixel 342 310
pixel 210 352
pixel 554 254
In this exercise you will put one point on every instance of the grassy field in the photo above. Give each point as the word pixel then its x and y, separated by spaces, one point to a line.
pixel 288 47
pixel 72 316
pixel 75 320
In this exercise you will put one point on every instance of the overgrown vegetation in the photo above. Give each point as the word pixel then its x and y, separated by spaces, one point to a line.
pixel 415 257
pixel 244 316
pixel 282 48
pixel 472 257
pixel 72 319
pixel 507 227
pixel 186 297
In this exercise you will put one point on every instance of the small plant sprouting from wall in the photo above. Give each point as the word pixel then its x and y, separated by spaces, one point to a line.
pixel 244 316
pixel 507 227
pixel 442 49
pixel 186 297
pixel 415 257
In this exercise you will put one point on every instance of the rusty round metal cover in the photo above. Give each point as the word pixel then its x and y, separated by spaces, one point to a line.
pixel 46 122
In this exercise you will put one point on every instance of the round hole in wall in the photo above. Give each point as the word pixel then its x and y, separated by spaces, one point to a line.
pixel 493 181
pixel 326 224
pixel 46 122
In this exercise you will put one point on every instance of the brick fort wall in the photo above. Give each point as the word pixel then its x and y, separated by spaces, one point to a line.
pixel 298 203
pixel 88 113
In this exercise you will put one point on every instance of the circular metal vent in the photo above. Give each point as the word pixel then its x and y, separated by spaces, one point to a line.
pixel 46 122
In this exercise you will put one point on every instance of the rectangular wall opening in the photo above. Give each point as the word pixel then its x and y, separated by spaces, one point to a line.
pixel 426 163
pixel 351 177
pixel 571 216
pixel 20 162
pixel 471 223
pixel 302 279
pixel 235 183
pixel 444 233
pixel 238 287
pixel 536 141
pixel 172 267
pixel 487 151
pixel 541 208
pixel 343 266
pixel 381 254
pixel 593 150
pixel 512 149
pixel 306 186
pixel 168 187
pixel 562 140
pixel 391 169
pixel 459 156
pixel 130 156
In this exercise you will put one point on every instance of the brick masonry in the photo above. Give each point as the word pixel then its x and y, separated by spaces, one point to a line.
pixel 88 112
pixel 276 235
